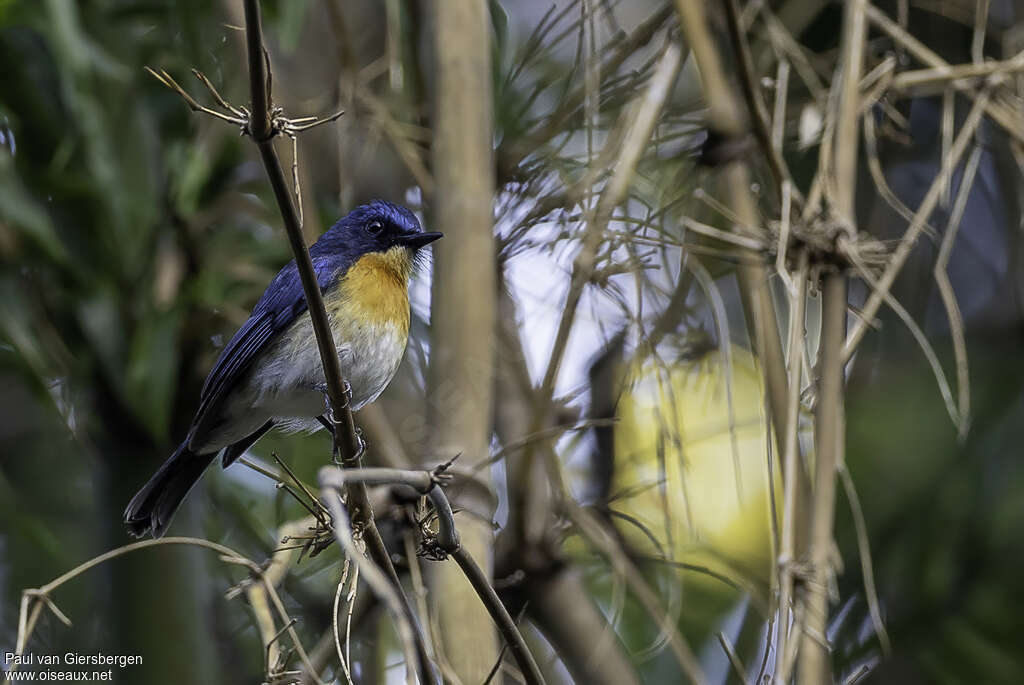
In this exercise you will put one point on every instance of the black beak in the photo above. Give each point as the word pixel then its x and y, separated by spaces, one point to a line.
pixel 417 240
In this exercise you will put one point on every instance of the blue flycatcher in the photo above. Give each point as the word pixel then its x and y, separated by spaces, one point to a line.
pixel 270 374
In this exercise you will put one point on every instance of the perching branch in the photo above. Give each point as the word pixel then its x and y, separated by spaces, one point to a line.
pixel 346 440
pixel 262 132
pixel 263 123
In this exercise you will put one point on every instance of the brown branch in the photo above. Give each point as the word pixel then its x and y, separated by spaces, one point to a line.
pixel 262 131
pixel 447 541
pixel 507 627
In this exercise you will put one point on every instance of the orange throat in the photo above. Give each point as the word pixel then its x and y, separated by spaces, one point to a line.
pixel 375 290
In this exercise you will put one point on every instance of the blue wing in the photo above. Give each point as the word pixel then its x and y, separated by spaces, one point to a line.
pixel 275 311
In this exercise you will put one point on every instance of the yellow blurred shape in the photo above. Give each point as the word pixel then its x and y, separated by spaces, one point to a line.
pixel 697 487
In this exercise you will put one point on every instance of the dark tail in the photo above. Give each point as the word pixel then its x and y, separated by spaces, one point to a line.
pixel 153 507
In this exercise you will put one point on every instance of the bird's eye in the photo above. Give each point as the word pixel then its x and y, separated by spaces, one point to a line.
pixel 374 227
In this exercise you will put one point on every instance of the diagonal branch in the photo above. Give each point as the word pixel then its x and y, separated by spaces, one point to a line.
pixel 262 131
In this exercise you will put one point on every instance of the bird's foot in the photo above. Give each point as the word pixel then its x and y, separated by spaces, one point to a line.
pixel 324 390
pixel 360 451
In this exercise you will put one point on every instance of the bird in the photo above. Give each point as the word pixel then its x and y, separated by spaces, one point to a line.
pixel 270 375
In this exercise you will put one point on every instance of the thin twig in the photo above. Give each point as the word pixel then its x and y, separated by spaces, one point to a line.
pixel 498 612
pixel 999 112
pixel 928 204
pixel 447 541
pixel 867 568
pixel 379 583
pixel 956 322
pixel 830 435
pixel 790 463
pixel 346 440
pixel 734 658
pixel 34 600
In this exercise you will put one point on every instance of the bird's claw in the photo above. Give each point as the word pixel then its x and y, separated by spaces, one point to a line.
pixel 329 406
pixel 360 450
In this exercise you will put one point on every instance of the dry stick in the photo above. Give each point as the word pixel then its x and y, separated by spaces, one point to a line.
pixel 378 582
pixel 755 103
pixel 734 658
pixel 29 613
pixel 790 462
pixel 1000 113
pixel 928 204
pixel 814 659
pixel 917 78
pixel 980 24
pixel 779 107
pixel 426 482
pixel 956 322
pixel 867 568
pixel 946 133
pixel 344 656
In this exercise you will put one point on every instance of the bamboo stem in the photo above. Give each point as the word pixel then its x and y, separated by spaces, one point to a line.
pixel 814 658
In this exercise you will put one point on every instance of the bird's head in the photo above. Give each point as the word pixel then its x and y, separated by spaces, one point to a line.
pixel 377 228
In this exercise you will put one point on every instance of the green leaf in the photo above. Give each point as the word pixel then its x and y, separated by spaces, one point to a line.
pixel 293 16
pixel 150 380
pixel 20 210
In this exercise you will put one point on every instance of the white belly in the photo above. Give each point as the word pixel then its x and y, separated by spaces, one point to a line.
pixel 285 382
